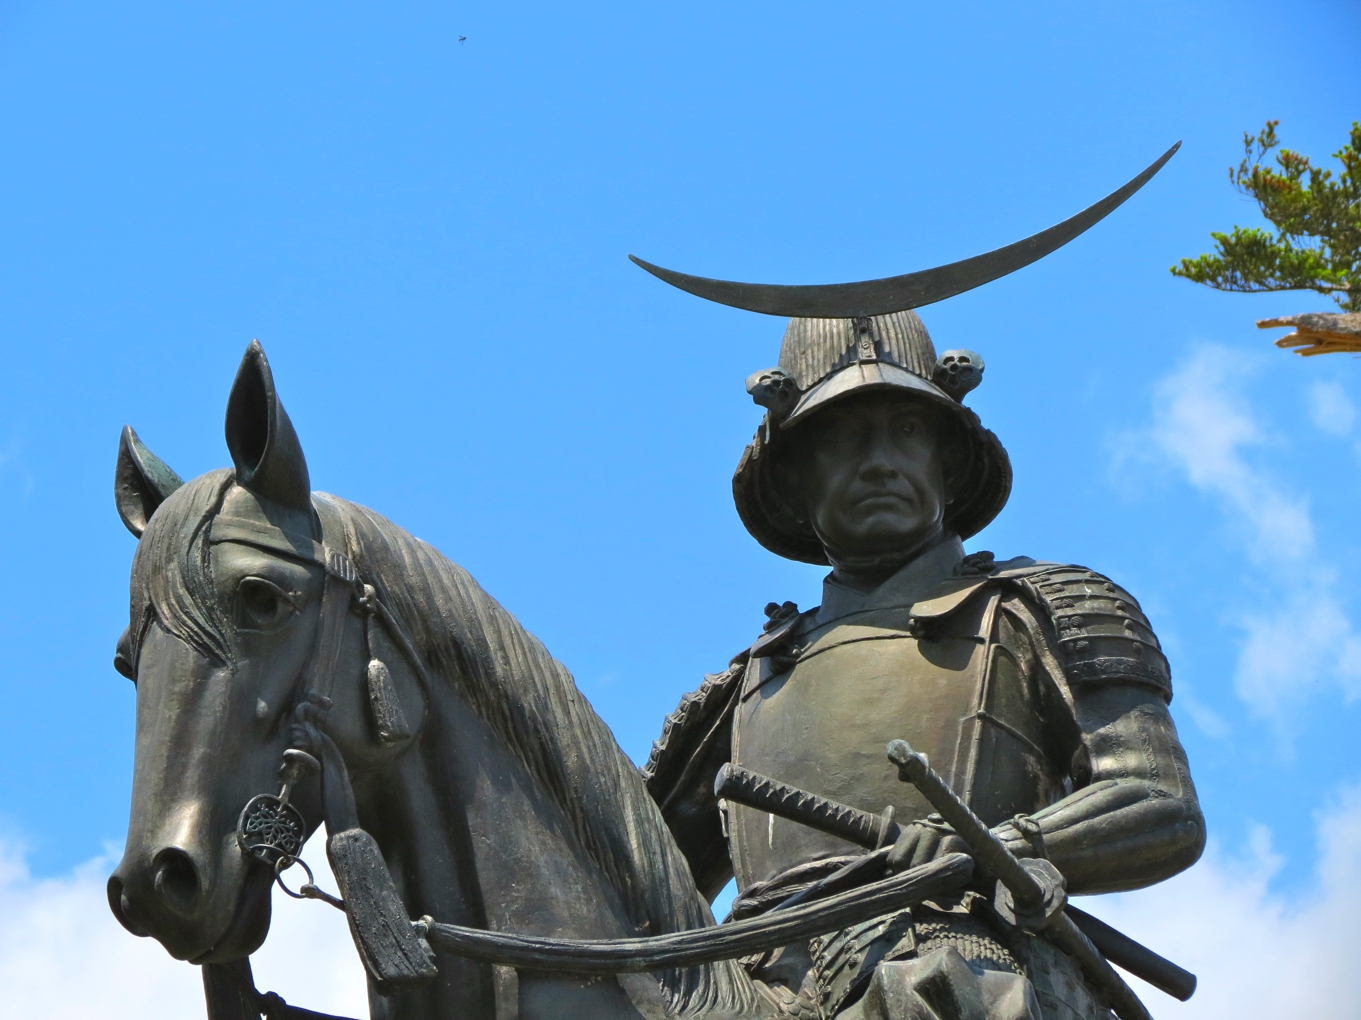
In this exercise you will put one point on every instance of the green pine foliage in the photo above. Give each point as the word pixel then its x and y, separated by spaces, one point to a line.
pixel 1317 244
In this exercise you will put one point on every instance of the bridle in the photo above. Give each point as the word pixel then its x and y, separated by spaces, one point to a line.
pixel 270 828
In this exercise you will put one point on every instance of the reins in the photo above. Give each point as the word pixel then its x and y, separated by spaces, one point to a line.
pixel 779 927
pixel 395 949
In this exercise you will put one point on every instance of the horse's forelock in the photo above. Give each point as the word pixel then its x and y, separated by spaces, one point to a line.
pixel 172 577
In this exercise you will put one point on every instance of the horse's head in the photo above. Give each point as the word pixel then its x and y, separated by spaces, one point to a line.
pixel 227 585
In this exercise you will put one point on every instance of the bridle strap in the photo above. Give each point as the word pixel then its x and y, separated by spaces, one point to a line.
pixel 339 593
pixel 343 588
pixel 340 590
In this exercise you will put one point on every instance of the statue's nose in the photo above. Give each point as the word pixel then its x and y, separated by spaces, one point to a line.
pixel 167 891
pixel 176 881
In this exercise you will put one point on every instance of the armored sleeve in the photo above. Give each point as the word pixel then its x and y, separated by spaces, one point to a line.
pixel 696 740
pixel 1098 631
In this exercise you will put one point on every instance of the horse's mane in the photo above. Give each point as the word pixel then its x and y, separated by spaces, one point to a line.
pixel 531 702
pixel 526 697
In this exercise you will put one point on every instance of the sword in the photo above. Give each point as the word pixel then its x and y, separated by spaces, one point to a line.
pixel 735 783
pixel 872 831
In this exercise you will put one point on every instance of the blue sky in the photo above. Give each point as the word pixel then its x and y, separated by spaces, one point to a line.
pixel 429 238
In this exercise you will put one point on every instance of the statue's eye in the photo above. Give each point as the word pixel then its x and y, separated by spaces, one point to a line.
pixel 841 431
pixel 261 604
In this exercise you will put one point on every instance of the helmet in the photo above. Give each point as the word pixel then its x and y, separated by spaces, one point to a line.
pixel 884 346
pixel 826 360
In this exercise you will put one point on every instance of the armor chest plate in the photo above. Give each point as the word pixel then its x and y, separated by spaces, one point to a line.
pixel 858 684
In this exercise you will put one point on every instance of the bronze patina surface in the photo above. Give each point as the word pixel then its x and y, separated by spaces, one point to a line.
pixel 273 624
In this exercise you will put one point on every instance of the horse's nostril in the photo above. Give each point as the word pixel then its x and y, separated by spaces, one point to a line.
pixel 176 880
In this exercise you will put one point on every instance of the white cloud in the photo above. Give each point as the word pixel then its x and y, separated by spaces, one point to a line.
pixel 1297 633
pixel 64 957
pixel 1304 637
pixel 1202 424
pixel 1331 410
pixel 1256 953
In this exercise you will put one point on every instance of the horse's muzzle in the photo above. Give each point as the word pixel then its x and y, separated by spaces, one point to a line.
pixel 166 895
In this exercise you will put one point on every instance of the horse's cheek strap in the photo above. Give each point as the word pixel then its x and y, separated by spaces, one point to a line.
pixel 337 796
pixel 335 607
pixel 394 955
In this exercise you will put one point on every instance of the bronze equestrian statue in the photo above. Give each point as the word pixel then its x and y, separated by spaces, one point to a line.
pixel 1038 690
pixel 300 660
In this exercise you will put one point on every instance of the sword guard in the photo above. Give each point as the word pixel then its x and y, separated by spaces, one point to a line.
pixel 1052 885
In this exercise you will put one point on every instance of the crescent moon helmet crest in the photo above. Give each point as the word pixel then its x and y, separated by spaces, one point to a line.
pixel 911 290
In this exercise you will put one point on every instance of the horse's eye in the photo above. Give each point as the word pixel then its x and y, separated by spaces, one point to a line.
pixel 261 604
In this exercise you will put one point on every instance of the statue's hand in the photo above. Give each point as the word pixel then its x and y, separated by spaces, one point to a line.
pixel 922 842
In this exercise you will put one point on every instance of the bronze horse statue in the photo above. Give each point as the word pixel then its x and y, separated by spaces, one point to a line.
pixel 498 798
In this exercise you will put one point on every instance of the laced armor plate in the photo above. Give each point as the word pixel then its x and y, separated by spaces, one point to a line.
pixel 1101 632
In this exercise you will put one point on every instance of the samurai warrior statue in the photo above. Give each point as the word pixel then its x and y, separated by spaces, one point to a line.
pixel 1038 690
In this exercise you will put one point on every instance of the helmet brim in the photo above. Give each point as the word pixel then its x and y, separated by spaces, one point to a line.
pixel 859 378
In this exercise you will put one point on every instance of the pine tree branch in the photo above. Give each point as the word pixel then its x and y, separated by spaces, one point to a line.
pixel 1319 332
pixel 1316 216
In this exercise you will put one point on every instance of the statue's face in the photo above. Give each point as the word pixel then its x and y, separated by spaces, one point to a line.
pixel 872 475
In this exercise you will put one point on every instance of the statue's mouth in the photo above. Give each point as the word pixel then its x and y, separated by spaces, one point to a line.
pixel 249 925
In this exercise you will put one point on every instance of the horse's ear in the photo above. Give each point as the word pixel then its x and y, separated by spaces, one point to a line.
pixel 141 482
pixel 264 447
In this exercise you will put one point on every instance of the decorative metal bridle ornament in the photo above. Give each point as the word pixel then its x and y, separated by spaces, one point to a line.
pixel 270 828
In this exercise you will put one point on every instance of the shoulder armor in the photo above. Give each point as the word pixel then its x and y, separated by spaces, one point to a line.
pixel 685 729
pixel 679 775
pixel 976 573
pixel 1101 633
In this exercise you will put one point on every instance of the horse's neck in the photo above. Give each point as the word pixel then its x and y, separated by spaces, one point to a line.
pixel 471 839
pixel 476 835
pixel 478 819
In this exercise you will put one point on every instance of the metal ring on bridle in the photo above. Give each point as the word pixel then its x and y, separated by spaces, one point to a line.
pixel 285 862
pixel 309 890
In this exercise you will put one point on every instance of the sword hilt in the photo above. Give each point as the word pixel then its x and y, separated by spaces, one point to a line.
pixel 987 849
pixel 753 790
